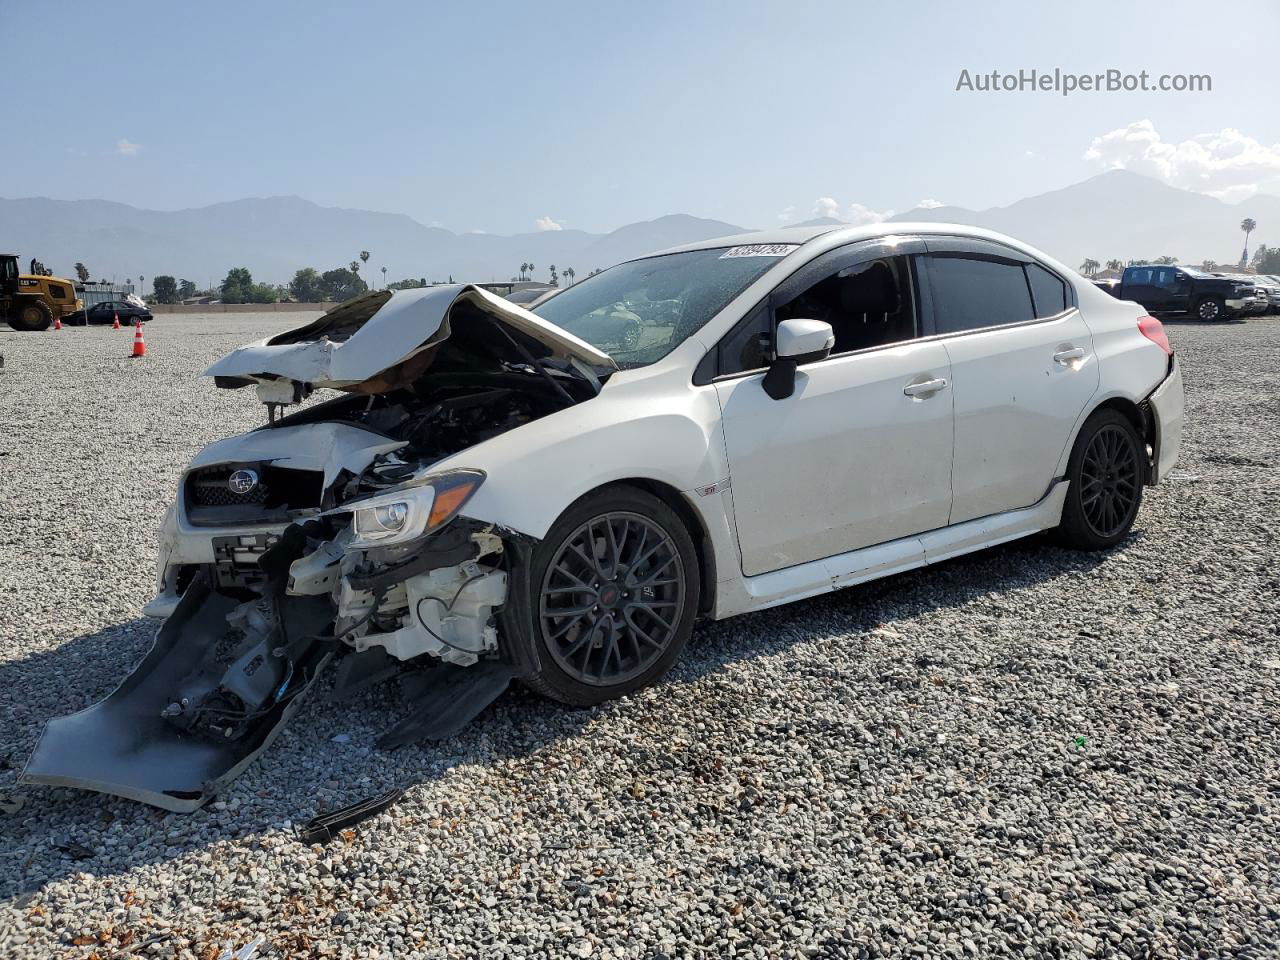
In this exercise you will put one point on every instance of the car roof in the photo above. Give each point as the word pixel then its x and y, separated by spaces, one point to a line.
pixel 844 233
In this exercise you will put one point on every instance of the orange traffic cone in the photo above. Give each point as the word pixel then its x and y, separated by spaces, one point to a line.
pixel 57 323
pixel 139 347
pixel 115 324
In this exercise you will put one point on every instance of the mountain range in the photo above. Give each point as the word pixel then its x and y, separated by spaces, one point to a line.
pixel 1117 214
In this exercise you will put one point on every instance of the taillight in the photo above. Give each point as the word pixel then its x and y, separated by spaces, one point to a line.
pixel 1153 330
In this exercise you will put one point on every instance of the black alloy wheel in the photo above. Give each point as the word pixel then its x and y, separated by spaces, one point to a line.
pixel 1109 481
pixel 1106 474
pixel 615 591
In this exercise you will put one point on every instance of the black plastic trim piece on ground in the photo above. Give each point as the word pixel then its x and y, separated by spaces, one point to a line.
pixel 326 826
pixel 447 698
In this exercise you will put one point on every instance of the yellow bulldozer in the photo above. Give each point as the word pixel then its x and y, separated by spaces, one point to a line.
pixel 29 302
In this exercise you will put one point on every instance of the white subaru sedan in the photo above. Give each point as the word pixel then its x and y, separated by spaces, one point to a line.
pixel 558 496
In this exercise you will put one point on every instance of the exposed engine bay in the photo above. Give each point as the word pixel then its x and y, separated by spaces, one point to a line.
pixel 327 535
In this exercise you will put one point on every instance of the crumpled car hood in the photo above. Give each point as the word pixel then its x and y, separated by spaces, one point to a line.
pixel 372 333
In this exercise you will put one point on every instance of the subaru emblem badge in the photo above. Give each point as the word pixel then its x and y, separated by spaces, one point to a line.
pixel 242 481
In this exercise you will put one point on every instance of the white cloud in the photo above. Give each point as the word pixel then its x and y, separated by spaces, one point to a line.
pixel 859 215
pixel 1227 164
pixel 826 207
pixel 477 230
pixel 546 223
pixel 127 149
pixel 930 204
pixel 788 213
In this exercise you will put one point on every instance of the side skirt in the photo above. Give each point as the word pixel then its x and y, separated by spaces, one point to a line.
pixel 884 559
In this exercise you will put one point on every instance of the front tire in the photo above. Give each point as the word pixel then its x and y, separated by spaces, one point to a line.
pixel 1211 310
pixel 29 315
pixel 1105 477
pixel 614 591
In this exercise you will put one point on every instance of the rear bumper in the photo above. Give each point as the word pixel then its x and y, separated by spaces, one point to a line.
pixel 1166 413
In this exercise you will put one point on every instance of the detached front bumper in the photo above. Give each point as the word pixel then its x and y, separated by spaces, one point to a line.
pixel 1166 405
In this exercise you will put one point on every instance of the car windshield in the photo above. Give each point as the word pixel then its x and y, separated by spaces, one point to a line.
pixel 638 312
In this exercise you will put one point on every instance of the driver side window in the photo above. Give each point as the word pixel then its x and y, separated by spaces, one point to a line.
pixel 868 304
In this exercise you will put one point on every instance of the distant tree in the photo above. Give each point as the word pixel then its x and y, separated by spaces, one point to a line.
pixel 1116 265
pixel 1166 260
pixel 569 275
pixel 531 269
pixel 305 287
pixel 364 256
pixel 342 284
pixel 142 282
pixel 384 276
pixel 82 272
pixel 1270 262
pixel 1208 266
pixel 1258 254
pixel 1090 267
pixel 354 267
pixel 1248 225
pixel 555 281
pixel 164 289
pixel 524 269
pixel 237 287
pixel 594 272
pixel 186 289
pixel 262 293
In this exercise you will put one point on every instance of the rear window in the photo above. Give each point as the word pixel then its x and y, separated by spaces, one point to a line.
pixel 969 294
pixel 1048 292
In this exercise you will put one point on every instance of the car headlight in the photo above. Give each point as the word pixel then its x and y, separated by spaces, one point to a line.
pixel 413 511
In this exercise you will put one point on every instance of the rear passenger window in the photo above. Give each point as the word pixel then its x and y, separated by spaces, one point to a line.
pixel 969 294
pixel 1048 292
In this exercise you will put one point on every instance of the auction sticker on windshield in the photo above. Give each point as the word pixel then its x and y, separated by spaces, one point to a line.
pixel 759 250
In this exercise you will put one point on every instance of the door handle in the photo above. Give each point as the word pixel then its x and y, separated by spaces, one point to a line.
pixel 926 388
pixel 1065 357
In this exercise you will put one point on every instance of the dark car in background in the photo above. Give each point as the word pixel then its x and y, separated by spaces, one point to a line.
pixel 108 310
pixel 1170 289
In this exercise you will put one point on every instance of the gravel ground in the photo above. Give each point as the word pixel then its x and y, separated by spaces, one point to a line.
pixel 1025 752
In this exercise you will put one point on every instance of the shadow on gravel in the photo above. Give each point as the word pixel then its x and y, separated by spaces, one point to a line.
pixel 307 771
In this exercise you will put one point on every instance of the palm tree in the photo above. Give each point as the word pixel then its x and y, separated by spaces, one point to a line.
pixel 364 256
pixel 1116 265
pixel 531 269
pixel 1248 225
pixel 355 267
pixel 384 278
pixel 82 272
pixel 1166 260
pixel 1209 266
pixel 569 275
pixel 524 268
pixel 1089 267
pixel 555 281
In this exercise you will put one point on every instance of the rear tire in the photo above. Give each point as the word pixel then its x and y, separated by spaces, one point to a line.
pixel 613 594
pixel 29 315
pixel 1105 475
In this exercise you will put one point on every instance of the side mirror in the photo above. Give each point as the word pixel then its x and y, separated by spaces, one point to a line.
pixel 797 341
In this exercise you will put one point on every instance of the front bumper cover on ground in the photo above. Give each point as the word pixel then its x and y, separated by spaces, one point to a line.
pixel 123 746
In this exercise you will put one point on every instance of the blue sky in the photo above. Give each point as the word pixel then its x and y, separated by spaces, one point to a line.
pixel 500 116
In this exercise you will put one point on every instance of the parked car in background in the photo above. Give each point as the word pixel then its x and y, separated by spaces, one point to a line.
pixel 557 496
pixel 1267 298
pixel 126 310
pixel 1166 289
